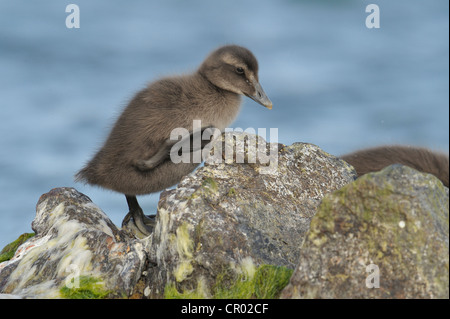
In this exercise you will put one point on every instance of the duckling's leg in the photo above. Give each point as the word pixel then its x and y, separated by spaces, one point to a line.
pixel 163 153
pixel 160 156
pixel 143 223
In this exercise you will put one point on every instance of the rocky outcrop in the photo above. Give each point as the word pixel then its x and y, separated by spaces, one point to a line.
pixel 76 252
pixel 230 219
pixel 233 230
pixel 382 236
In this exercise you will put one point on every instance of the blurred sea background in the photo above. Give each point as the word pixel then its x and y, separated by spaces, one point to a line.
pixel 334 82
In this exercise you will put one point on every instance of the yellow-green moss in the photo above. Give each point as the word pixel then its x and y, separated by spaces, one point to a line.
pixel 270 280
pixel 185 249
pixel 263 282
pixel 201 292
pixel 184 243
pixel 232 192
pixel 183 270
pixel 9 250
pixel 88 288
pixel 210 185
pixel 266 283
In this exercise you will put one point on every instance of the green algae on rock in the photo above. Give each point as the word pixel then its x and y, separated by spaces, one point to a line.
pixel 393 224
pixel 9 250
pixel 85 287
pixel 264 282
pixel 244 282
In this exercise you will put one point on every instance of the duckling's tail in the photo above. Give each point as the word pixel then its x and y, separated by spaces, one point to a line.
pixel 82 176
pixel 421 159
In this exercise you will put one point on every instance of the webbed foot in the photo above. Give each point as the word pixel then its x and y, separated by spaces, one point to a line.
pixel 139 224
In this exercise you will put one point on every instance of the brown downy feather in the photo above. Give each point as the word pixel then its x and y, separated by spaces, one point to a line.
pixel 211 94
pixel 421 159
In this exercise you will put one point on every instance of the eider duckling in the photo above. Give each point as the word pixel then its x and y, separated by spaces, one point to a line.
pixel 421 159
pixel 134 159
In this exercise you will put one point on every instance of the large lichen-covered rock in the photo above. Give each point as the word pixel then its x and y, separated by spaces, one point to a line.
pixel 228 220
pixel 77 253
pixel 236 231
pixel 383 236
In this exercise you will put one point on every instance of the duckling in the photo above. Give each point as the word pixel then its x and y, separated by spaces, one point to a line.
pixel 134 159
pixel 421 159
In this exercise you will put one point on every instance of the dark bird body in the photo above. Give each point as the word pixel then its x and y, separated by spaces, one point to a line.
pixel 144 126
pixel 211 94
pixel 421 159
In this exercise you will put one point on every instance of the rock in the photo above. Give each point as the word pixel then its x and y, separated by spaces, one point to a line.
pixel 8 296
pixel 225 228
pixel 393 223
pixel 77 252
pixel 226 223
pixel 238 231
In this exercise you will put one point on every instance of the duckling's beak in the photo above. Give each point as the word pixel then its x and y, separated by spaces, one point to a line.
pixel 260 96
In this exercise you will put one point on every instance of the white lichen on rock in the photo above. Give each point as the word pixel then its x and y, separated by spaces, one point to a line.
pixel 224 214
pixel 74 239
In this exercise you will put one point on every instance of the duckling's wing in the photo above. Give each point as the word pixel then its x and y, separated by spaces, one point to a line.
pixel 163 153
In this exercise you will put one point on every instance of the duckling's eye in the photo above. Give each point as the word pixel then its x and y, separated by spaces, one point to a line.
pixel 239 70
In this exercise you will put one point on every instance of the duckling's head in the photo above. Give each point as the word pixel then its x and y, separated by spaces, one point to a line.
pixel 235 68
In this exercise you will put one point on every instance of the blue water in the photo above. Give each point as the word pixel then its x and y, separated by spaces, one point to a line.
pixel 333 82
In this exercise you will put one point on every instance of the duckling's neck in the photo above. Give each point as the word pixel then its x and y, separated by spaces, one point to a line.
pixel 219 107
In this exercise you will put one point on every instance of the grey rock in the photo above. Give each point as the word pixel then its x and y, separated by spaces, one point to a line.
pixel 394 223
pixel 236 217
pixel 237 230
pixel 74 241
